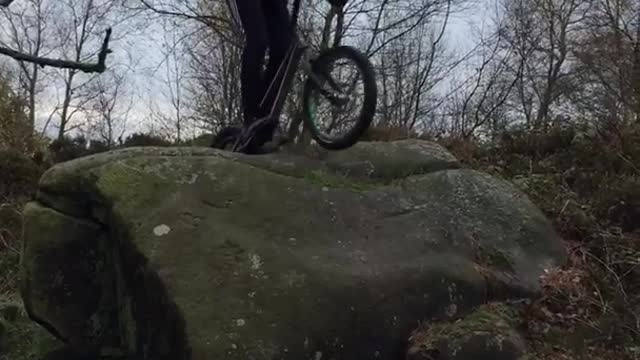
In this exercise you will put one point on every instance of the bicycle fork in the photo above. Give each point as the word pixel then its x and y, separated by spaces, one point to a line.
pixel 282 85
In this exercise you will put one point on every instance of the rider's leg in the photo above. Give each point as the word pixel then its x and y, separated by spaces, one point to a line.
pixel 254 25
pixel 252 15
pixel 278 30
pixel 278 25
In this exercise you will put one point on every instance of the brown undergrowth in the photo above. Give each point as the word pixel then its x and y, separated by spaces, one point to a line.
pixel 589 187
pixel 20 174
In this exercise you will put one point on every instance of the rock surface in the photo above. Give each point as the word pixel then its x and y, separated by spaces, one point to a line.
pixel 193 253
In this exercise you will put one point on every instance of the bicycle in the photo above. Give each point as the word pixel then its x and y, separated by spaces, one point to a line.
pixel 319 83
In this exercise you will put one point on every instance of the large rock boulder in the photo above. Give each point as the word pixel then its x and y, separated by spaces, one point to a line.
pixel 193 253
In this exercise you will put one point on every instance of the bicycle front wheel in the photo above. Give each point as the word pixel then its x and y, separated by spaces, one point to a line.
pixel 339 98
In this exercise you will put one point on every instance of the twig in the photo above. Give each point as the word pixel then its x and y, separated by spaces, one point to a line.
pixel 5 243
pixel 603 304
pixel 564 207
pixel 625 159
pixel 612 272
pixel 5 3
pixel 98 67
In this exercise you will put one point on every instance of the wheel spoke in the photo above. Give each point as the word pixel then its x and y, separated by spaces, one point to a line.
pixel 339 102
pixel 339 112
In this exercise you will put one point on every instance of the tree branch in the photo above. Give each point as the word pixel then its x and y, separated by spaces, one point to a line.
pixel 5 3
pixel 98 67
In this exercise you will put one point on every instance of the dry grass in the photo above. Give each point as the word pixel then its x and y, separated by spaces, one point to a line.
pixel 590 190
pixel 10 231
pixel 20 174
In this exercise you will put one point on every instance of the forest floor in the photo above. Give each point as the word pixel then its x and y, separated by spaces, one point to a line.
pixel 590 189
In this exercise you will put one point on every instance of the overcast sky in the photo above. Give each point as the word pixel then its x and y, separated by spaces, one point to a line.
pixel 147 77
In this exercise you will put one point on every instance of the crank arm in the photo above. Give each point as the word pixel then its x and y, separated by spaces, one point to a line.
pixel 332 95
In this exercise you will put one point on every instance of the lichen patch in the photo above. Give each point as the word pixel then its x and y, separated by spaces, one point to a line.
pixel 161 230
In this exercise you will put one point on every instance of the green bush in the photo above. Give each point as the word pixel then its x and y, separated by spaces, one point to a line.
pixel 66 149
pixel 15 131
pixel 140 139
pixel 387 133
pixel 535 143
pixel 588 185
pixel 70 148
pixel 20 174
pixel 97 146
pixel 18 182
pixel 73 148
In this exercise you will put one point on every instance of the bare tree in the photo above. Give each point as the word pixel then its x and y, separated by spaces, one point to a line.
pixel 404 41
pixel 479 102
pixel 64 64
pixel 214 69
pixel 84 18
pixel 26 30
pixel 608 61
pixel 543 34
pixel 203 13
pixel 412 61
pixel 14 130
pixel 175 116
pixel 108 112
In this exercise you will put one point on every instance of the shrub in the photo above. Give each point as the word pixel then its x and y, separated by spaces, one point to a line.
pixel 97 146
pixel 536 143
pixel 387 133
pixel 588 185
pixel 140 139
pixel 66 149
pixel 15 131
pixel 18 182
pixel 20 174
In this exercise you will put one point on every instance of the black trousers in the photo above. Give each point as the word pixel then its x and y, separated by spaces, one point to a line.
pixel 267 25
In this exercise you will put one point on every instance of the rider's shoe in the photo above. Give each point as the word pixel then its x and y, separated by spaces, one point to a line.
pixel 267 148
pixel 225 137
pixel 262 134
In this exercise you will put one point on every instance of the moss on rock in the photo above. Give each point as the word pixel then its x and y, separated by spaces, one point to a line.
pixel 329 180
pixel 20 338
pixel 487 333
pixel 66 274
pixel 389 161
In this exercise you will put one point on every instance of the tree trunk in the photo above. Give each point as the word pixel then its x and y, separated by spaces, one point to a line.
pixel 636 64
pixel 65 105
pixel 33 82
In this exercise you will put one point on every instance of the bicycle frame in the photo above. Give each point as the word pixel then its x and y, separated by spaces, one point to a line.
pixel 281 84
pixel 299 53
